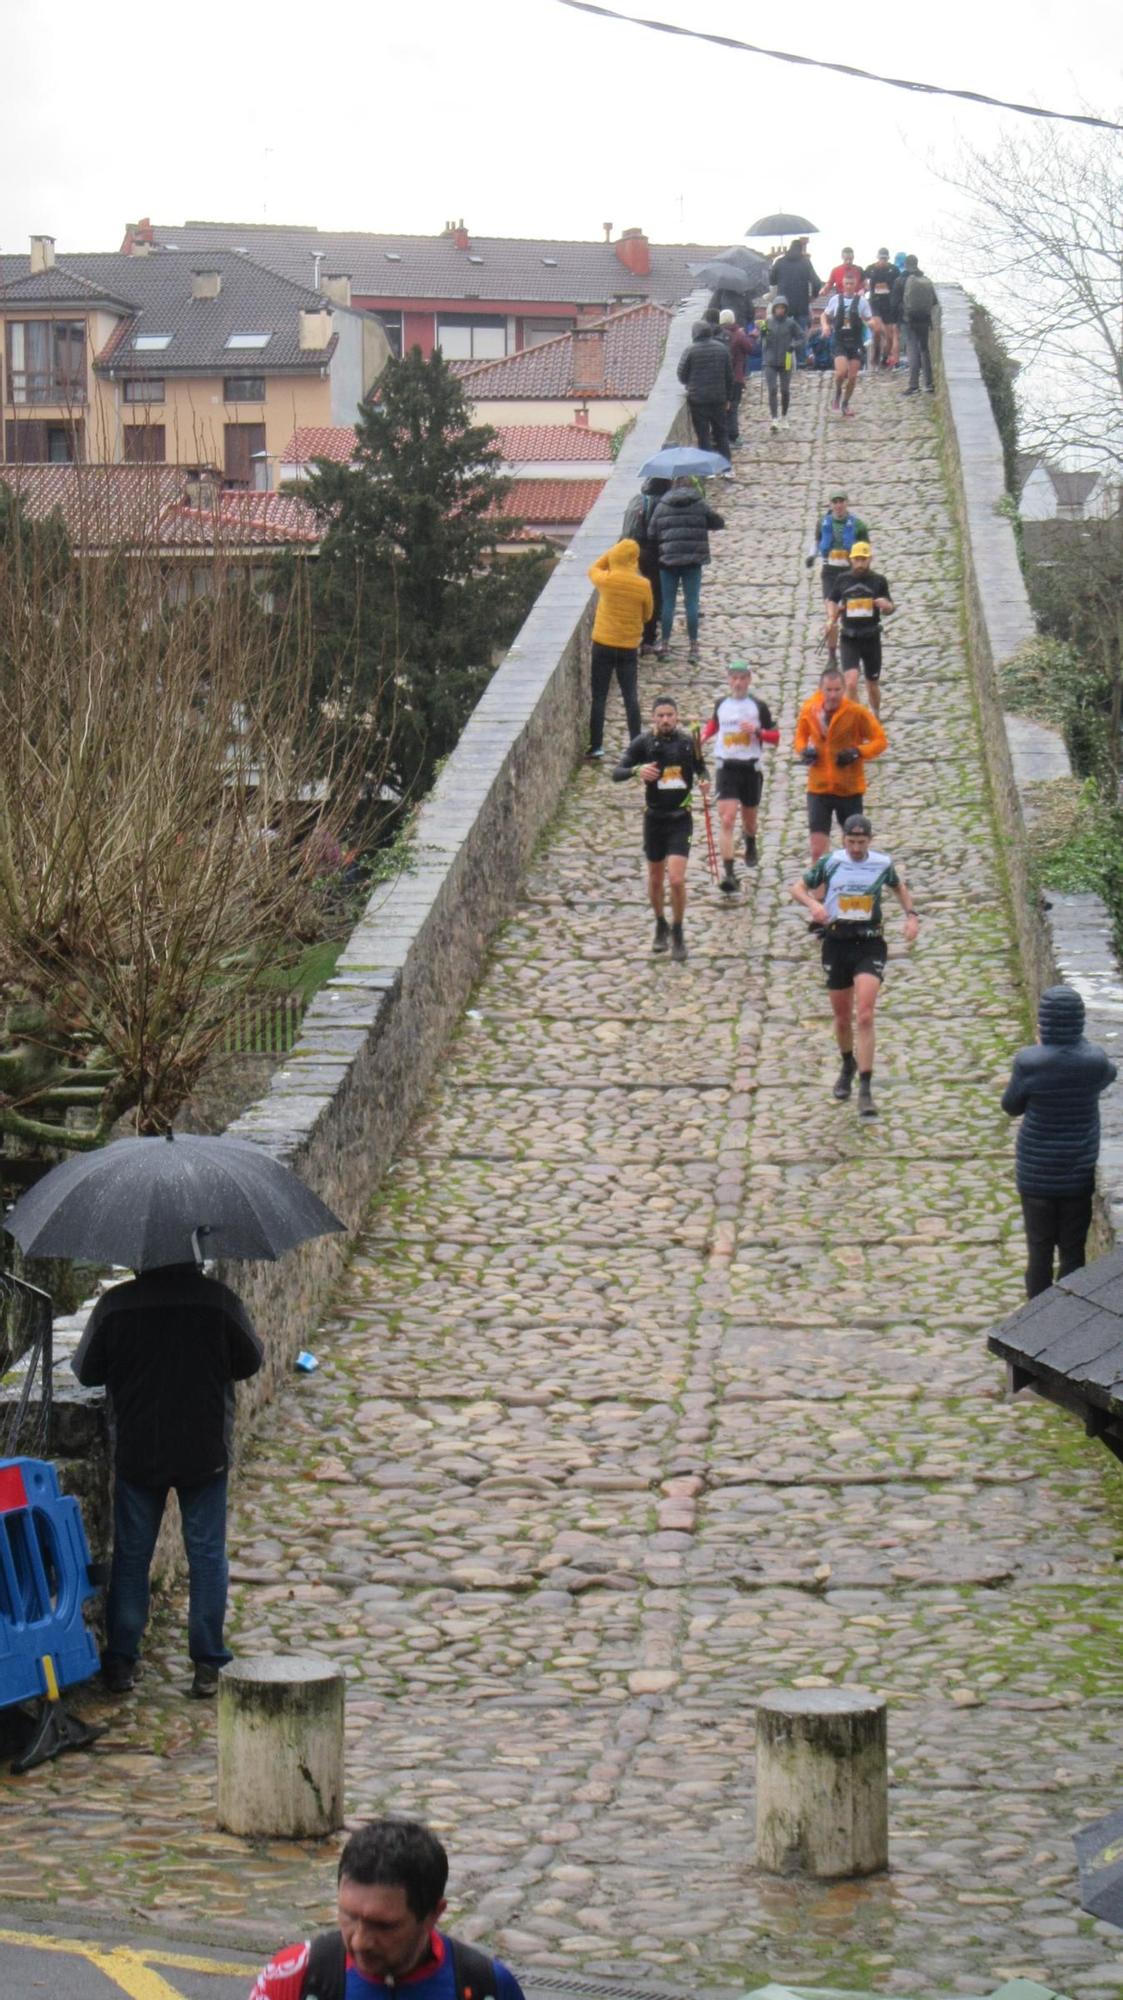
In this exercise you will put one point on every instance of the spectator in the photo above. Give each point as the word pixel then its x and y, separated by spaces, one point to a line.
pixel 636 527
pixel 918 303
pixel 680 529
pixel 625 601
pixel 706 371
pixel 1055 1086
pixel 795 276
pixel 780 341
pixel 741 348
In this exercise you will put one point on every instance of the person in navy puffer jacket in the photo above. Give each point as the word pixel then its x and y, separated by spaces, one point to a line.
pixel 1055 1087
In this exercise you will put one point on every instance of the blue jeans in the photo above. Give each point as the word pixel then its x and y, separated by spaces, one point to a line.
pixel 137 1514
pixel 691 580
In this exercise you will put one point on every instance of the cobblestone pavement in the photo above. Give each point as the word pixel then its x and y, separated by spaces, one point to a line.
pixel 658 1381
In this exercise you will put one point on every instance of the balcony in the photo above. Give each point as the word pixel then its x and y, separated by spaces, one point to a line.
pixel 35 385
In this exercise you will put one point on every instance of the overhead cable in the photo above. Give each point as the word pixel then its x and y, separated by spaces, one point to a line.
pixel 842 69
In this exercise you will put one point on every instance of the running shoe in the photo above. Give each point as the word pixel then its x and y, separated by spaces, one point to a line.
pixel 662 939
pixel 866 1106
pixel 678 945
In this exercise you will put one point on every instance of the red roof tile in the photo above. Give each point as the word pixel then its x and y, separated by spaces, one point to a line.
pixel 633 350
pixel 334 441
pixel 550 502
pixel 114 506
pixel 527 444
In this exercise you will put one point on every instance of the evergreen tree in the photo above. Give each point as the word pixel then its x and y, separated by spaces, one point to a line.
pixel 409 603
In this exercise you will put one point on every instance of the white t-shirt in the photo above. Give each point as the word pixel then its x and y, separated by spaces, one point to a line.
pixel 736 741
pixel 837 299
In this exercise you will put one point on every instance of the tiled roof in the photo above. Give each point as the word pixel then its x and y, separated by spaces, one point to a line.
pixel 56 286
pixel 156 292
pixel 550 502
pixel 431 267
pixel 524 444
pixel 633 350
pixel 114 506
pixel 334 441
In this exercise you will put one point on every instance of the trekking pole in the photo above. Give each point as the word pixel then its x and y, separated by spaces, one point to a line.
pixel 711 845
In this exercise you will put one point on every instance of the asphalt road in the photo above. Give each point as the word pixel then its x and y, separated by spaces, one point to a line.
pixel 66 1964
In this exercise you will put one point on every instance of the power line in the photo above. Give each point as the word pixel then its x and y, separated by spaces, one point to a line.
pixel 841 69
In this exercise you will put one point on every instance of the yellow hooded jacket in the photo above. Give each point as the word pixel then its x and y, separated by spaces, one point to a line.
pixel 624 600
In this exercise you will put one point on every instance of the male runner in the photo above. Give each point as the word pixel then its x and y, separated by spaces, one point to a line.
pixel 847 269
pixel 881 277
pixel 668 761
pixel 835 536
pixel 843 318
pixel 858 602
pixel 741 722
pixel 842 892
pixel 834 737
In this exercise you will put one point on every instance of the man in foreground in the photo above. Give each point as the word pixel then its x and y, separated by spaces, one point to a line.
pixel 842 893
pixel 835 738
pixel 668 761
pixel 859 599
pixel 391 1896
pixel 168 1347
pixel 739 725
pixel 1055 1087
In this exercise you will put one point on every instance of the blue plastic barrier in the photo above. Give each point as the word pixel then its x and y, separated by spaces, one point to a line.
pixel 44 1582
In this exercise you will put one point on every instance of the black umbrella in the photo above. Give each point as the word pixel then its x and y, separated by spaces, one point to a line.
pixel 749 261
pixel 1099 1851
pixel 722 277
pixel 148 1202
pixel 783 225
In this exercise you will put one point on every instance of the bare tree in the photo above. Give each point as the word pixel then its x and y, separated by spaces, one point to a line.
pixel 1041 243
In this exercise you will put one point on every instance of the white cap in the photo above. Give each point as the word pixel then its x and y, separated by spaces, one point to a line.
pixel 726 317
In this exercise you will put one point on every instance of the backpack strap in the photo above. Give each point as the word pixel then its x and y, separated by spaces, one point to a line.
pixel 473 1971
pixel 326 1976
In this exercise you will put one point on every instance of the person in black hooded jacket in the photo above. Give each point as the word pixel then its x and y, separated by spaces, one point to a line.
pixel 706 372
pixel 680 530
pixel 1055 1087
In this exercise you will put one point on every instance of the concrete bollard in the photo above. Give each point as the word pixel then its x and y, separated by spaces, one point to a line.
pixel 822 1784
pixel 280 1746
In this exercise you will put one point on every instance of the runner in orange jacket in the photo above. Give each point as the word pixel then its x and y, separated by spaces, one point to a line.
pixel 835 737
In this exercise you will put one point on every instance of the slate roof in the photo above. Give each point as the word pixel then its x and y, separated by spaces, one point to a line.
pixel 1071 488
pixel 1069 1339
pixel 633 350
pixel 113 506
pixel 156 293
pixel 431 267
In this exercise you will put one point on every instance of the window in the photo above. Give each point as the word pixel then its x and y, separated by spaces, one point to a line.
pixel 392 256
pixel 535 331
pixel 391 324
pixel 151 343
pixel 551 263
pixel 150 391
pixel 46 361
pixel 471 337
pixel 248 339
pixel 33 442
pixel 242 444
pixel 145 444
pixel 243 389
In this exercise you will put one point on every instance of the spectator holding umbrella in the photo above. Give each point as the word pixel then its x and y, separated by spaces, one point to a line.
pixel 680 529
pixel 794 276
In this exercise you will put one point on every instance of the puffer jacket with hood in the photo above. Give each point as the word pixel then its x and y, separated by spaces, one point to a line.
pixel 680 528
pixel 1056 1084
pixel 796 276
pixel 624 600
pixel 706 369
pixel 779 338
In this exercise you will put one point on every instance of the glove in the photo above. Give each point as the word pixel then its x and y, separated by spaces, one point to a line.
pixel 847 757
pixel 810 755
pixel 810 563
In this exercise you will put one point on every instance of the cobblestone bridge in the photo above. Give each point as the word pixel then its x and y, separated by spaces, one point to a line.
pixel 656 1381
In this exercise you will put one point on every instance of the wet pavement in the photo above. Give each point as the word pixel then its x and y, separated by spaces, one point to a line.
pixel 658 1380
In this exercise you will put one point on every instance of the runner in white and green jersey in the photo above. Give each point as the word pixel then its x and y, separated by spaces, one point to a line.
pixel 843 893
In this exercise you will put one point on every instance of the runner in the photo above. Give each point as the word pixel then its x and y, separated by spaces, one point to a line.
pixel 858 602
pixel 741 722
pixel 834 538
pixel 881 278
pixel 843 892
pixel 668 762
pixel 835 738
pixel 844 316
pixel 847 269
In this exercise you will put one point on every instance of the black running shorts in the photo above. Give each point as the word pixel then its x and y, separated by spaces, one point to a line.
pixel 665 834
pixel 740 778
pixel 844 957
pixel 831 574
pixel 823 807
pixel 863 652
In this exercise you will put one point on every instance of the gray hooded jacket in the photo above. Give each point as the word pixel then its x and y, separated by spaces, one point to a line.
pixel 1056 1084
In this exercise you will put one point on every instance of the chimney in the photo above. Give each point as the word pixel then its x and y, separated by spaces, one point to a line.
pixel 206 284
pixel 315 330
pixel 607 227
pixel 588 359
pixel 581 418
pixel 634 252
pixel 42 254
pixel 460 236
pixel 337 287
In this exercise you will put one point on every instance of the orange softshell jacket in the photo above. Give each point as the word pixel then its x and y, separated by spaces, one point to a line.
pixel 851 727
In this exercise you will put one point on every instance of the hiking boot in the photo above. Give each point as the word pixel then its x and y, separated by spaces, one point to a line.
pixel 910 392
pixel 775 424
pixel 595 755
pixel 844 1082
pixel 118 1675
pixel 728 883
pixel 751 855
pixel 662 939
pixel 204 1686
pixel 693 655
pixel 678 945
pixel 661 651
pixel 866 1106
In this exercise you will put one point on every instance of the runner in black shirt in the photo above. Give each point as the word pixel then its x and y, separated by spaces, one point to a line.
pixel 858 602
pixel 668 761
pixel 881 277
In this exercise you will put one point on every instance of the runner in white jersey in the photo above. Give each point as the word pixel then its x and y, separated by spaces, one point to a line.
pixel 739 725
pixel 843 894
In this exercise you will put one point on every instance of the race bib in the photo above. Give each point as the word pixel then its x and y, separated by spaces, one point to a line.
pixel 671 780
pixel 839 559
pixel 854 908
pixel 879 289
pixel 859 607
pixel 737 739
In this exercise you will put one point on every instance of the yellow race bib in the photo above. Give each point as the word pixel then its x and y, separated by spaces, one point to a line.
pixel 671 780
pixel 858 607
pixel 854 908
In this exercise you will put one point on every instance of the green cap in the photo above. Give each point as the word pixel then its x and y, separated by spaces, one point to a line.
pixel 739 667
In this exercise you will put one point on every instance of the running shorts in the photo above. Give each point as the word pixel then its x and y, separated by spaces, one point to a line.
pixel 847 349
pixel 863 652
pixel 844 956
pixel 831 574
pixel 822 807
pixel 740 778
pixel 665 834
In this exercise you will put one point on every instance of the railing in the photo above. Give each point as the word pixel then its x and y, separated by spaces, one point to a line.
pixel 266 1024
pixel 37 385
pixel 25 1422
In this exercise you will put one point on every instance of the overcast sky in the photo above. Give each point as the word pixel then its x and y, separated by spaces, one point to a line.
pixel 520 115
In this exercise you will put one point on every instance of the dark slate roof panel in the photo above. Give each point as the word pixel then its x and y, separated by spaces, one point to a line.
pixel 1060 1316
pixel 1094 1279
pixel 1073 1350
pixel 55 287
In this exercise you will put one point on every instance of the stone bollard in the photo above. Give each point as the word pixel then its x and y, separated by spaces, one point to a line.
pixel 280 1746
pixel 822 1786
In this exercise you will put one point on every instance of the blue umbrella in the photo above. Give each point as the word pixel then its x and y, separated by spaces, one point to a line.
pixel 678 461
